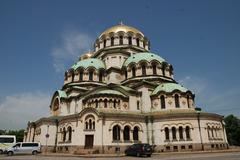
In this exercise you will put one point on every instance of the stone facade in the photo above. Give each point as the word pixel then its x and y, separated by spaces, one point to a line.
pixel 120 94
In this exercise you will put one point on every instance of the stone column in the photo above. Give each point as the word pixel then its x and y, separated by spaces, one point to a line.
pixel 131 135
pixel 121 135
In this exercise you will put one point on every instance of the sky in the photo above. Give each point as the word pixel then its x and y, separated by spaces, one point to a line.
pixel 39 40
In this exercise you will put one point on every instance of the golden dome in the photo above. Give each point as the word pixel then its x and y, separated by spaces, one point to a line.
pixel 123 28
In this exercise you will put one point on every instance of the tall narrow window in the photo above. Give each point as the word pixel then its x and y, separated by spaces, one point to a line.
pixel 163 69
pixel 126 133
pixel 116 133
pixel 137 41
pixel 90 75
pixel 208 131
pixel 69 133
pixel 188 132
pixel 154 69
pixel 100 76
pixel 162 98
pixel 212 132
pixel 64 134
pixel 105 103
pixel 166 133
pixel 174 133
pixel 135 133
pixel 112 41
pixel 115 104
pixel 81 76
pixel 188 101
pixel 121 40
pixel 130 40
pixel 143 70
pixel 126 74
pixel 138 105
pixel 133 72
pixel 104 43
pixel 176 97
pixel 180 133
pixel 72 77
pixel 96 104
pixel 144 44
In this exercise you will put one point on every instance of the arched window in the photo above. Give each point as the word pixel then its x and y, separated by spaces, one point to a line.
pixel 180 129
pixel 81 75
pixel 137 41
pixel 162 98
pixel 133 72
pixel 143 70
pixel 135 133
pixel 64 135
pixel 96 104
pixel 116 133
pixel 90 122
pixel 154 69
pixel 208 131
pixel 188 132
pixel 104 43
pixel 90 75
pixel 69 133
pixel 126 74
pixel 174 136
pixel 56 104
pixel 176 97
pixel 121 40
pixel 98 45
pixel 144 44
pixel 126 133
pixel 112 41
pixel 188 101
pixel 105 103
pixel 212 132
pixel 130 40
pixel 72 76
pixel 100 76
pixel 163 69
pixel 166 133
pixel 115 104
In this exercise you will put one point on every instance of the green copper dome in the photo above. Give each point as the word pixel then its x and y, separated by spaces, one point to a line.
pixel 91 62
pixel 169 87
pixel 145 56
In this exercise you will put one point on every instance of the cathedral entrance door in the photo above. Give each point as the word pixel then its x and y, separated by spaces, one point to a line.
pixel 88 141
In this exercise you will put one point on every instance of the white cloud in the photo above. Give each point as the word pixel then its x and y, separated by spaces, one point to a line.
pixel 17 110
pixel 73 44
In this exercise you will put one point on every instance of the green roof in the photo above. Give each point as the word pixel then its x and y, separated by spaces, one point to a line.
pixel 147 56
pixel 91 62
pixel 62 94
pixel 169 87
pixel 109 91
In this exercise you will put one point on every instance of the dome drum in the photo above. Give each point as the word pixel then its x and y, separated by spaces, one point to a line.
pixel 121 35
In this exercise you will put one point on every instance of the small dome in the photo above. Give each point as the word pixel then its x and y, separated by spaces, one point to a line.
pixel 123 28
pixel 146 56
pixel 91 62
pixel 168 88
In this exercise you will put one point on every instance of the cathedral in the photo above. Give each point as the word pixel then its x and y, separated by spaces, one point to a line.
pixel 119 94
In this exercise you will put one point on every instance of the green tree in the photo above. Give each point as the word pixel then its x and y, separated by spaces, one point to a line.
pixel 233 129
pixel 18 133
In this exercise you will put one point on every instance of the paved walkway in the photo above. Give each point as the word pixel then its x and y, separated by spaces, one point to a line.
pixel 121 155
